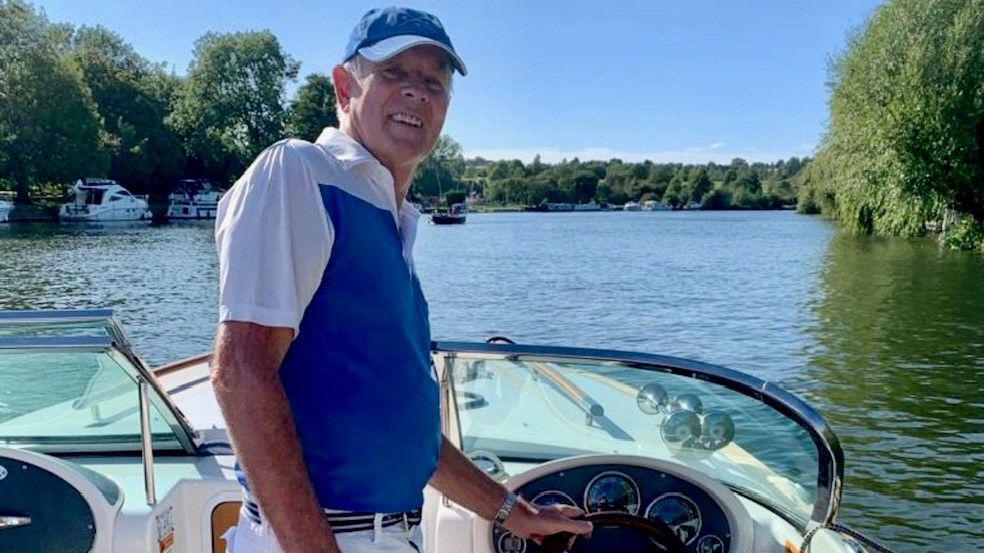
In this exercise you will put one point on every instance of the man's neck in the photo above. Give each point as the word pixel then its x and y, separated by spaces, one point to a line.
pixel 402 174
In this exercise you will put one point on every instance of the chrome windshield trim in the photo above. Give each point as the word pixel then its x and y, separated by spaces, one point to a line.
pixel 831 457
pixel 82 343
pixel 55 316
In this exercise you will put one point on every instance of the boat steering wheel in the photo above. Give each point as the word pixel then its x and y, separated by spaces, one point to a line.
pixel 664 538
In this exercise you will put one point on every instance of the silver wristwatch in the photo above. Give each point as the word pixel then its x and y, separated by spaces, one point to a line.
pixel 507 506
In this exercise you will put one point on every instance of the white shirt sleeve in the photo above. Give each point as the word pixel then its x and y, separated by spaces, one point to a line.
pixel 273 238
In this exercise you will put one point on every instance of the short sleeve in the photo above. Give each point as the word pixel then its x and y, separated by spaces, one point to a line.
pixel 273 238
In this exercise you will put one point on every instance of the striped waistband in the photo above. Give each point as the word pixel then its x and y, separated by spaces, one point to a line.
pixel 346 521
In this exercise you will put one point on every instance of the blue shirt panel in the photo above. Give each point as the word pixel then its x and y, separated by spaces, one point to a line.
pixel 358 375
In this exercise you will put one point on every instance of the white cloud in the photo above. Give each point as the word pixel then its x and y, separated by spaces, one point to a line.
pixel 716 152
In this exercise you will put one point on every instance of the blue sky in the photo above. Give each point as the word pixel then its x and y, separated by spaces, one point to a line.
pixel 689 81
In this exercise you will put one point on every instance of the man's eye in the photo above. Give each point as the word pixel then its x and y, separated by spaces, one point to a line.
pixel 435 85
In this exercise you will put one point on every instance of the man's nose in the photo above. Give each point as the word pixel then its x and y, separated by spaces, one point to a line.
pixel 416 92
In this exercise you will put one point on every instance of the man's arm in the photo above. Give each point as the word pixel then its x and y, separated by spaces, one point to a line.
pixel 249 392
pixel 462 482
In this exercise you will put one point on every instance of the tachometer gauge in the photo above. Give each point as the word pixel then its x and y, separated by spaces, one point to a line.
pixel 611 491
pixel 552 497
pixel 679 513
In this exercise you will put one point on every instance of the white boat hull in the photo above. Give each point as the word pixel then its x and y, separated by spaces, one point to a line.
pixel 191 211
pixel 134 213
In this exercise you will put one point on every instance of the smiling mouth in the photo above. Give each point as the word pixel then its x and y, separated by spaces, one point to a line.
pixel 407 119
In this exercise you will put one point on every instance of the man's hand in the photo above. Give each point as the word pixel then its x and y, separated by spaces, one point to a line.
pixel 462 482
pixel 527 521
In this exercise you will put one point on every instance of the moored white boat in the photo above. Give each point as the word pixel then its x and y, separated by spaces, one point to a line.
pixel 693 457
pixel 632 206
pixel 193 199
pixel 101 200
pixel 653 205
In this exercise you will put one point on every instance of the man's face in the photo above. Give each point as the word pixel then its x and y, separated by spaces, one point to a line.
pixel 398 109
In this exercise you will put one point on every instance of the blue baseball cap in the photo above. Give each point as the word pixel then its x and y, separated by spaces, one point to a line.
pixel 384 33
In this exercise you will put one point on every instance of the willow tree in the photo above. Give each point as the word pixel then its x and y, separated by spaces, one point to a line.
pixel 905 143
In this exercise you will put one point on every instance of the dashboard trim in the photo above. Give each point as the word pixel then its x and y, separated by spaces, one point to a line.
pixel 740 522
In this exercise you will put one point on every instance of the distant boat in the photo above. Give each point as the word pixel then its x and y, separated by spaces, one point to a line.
pixel 692 205
pixel 653 205
pixel 193 199
pixel 632 206
pixel 591 206
pixel 6 206
pixel 560 207
pixel 454 216
pixel 100 200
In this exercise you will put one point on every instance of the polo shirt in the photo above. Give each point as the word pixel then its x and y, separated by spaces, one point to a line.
pixel 310 238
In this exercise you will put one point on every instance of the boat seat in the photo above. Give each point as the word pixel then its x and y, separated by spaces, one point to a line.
pixel 46 504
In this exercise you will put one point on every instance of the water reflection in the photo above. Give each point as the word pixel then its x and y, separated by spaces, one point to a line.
pixel 897 368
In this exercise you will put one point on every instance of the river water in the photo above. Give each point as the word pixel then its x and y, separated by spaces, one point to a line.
pixel 884 337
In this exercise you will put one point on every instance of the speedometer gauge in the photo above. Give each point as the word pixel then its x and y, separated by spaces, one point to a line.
pixel 679 513
pixel 611 491
pixel 552 497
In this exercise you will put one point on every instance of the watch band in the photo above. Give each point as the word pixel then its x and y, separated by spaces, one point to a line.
pixel 508 503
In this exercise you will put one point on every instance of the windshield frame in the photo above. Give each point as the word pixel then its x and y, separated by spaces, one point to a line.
pixel 114 344
pixel 830 473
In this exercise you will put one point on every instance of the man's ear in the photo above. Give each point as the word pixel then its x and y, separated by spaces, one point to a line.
pixel 344 83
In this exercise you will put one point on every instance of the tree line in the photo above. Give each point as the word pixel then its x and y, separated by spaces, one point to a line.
pixel 904 151
pixel 78 102
pixel 737 185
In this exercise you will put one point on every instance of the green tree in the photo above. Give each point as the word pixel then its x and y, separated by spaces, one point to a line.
pixel 133 97
pixel 905 141
pixel 700 185
pixel 313 108
pixel 441 170
pixel 231 106
pixel 49 127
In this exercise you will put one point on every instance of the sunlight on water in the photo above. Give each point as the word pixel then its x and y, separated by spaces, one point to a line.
pixel 886 338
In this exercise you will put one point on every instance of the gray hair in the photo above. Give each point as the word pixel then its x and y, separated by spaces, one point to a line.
pixel 360 67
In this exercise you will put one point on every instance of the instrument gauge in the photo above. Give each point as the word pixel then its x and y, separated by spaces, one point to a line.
pixel 508 543
pixel 710 544
pixel 612 491
pixel 552 497
pixel 679 512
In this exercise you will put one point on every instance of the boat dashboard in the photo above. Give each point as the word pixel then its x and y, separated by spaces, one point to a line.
pixel 704 515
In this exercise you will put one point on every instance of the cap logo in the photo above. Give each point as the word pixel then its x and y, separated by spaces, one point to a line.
pixel 3 472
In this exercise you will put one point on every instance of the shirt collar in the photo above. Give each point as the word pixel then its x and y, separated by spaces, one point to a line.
pixel 345 149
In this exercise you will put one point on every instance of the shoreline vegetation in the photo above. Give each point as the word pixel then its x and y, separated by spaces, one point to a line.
pixel 902 155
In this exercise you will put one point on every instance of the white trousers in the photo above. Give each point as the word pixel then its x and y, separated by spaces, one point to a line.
pixel 249 537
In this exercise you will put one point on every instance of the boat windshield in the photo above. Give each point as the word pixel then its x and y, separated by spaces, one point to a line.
pixel 66 387
pixel 531 409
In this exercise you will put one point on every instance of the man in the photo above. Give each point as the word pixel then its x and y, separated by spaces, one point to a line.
pixel 322 361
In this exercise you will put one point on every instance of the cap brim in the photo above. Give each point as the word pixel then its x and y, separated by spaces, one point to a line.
pixel 389 47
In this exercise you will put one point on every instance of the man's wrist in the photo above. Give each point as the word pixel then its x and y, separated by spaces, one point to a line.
pixel 509 503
